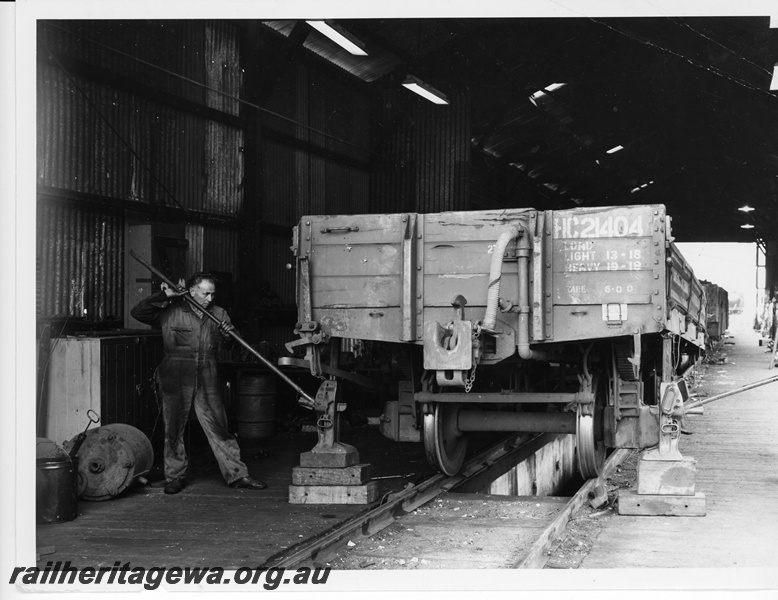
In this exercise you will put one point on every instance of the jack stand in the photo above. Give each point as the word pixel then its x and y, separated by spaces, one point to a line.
pixel 666 479
pixel 329 473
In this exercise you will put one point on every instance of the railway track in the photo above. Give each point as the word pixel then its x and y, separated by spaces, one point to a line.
pixel 545 518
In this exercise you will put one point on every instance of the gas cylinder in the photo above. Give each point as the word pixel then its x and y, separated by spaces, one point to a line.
pixel 111 459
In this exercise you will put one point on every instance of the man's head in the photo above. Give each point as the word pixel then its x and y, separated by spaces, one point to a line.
pixel 202 287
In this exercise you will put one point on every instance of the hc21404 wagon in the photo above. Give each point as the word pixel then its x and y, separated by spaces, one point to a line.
pixel 514 320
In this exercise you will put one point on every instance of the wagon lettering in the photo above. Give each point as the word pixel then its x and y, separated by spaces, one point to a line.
pixel 568 246
pixel 580 267
pixel 580 256
pixel 598 227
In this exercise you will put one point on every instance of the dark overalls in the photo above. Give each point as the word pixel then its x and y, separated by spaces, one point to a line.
pixel 188 375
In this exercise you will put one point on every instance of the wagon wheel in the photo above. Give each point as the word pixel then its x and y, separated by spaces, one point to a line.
pixel 444 443
pixel 590 439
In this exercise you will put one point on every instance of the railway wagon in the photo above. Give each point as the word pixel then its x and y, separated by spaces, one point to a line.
pixel 717 317
pixel 514 320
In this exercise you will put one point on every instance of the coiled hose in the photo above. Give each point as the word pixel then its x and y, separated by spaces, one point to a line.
pixel 495 274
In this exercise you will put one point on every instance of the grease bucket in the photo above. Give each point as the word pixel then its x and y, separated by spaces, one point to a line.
pixel 56 489
pixel 111 459
pixel 256 406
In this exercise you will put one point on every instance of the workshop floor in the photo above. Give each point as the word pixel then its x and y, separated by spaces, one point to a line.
pixel 735 444
pixel 211 524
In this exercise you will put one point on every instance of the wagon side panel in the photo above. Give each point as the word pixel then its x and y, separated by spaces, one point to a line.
pixel 354 275
pixel 607 268
pixel 457 250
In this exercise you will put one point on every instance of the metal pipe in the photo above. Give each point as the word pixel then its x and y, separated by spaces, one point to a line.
pixel 308 400
pixel 505 397
pixel 522 342
pixel 701 402
pixel 492 420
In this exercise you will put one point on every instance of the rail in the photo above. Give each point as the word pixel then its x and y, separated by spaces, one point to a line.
pixel 480 466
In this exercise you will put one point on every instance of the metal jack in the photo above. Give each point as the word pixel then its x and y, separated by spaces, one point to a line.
pixel 666 478
pixel 329 451
pixel 329 473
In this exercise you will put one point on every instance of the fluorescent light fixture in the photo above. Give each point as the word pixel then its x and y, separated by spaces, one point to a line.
pixel 774 81
pixel 640 187
pixel 537 96
pixel 424 90
pixel 614 150
pixel 554 87
pixel 340 36
pixel 747 226
pixel 746 208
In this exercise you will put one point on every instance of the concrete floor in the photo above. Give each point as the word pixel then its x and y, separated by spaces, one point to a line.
pixel 736 446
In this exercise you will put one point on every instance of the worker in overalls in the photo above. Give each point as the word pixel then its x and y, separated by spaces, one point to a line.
pixel 187 376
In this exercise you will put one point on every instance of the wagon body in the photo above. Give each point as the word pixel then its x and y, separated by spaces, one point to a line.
pixel 717 312
pixel 576 318
pixel 593 273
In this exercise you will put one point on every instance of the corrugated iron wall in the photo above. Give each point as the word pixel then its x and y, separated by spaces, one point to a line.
pixel 442 140
pixel 341 148
pixel 278 254
pixel 113 143
pixel 337 187
pixel 80 270
pixel 422 153
pixel 224 144
pixel 220 249
pixel 393 187
pixel 282 183
pixel 329 116
pixel 316 164
pixel 194 257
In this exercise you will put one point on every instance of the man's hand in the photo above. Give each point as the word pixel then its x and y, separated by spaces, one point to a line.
pixel 225 328
pixel 170 292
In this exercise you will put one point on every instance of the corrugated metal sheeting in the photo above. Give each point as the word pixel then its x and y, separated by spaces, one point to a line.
pixel 115 144
pixel 296 181
pixel 194 255
pixel 80 271
pixel 220 249
pixel 422 154
pixel 224 145
pixel 283 182
pixel 111 143
pixel 331 116
pixel 278 253
pixel 442 143
pixel 105 133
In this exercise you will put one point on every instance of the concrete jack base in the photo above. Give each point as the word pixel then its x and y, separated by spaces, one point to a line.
pixel 632 503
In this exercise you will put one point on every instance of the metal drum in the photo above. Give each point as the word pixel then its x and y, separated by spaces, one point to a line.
pixel 256 406
pixel 111 459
